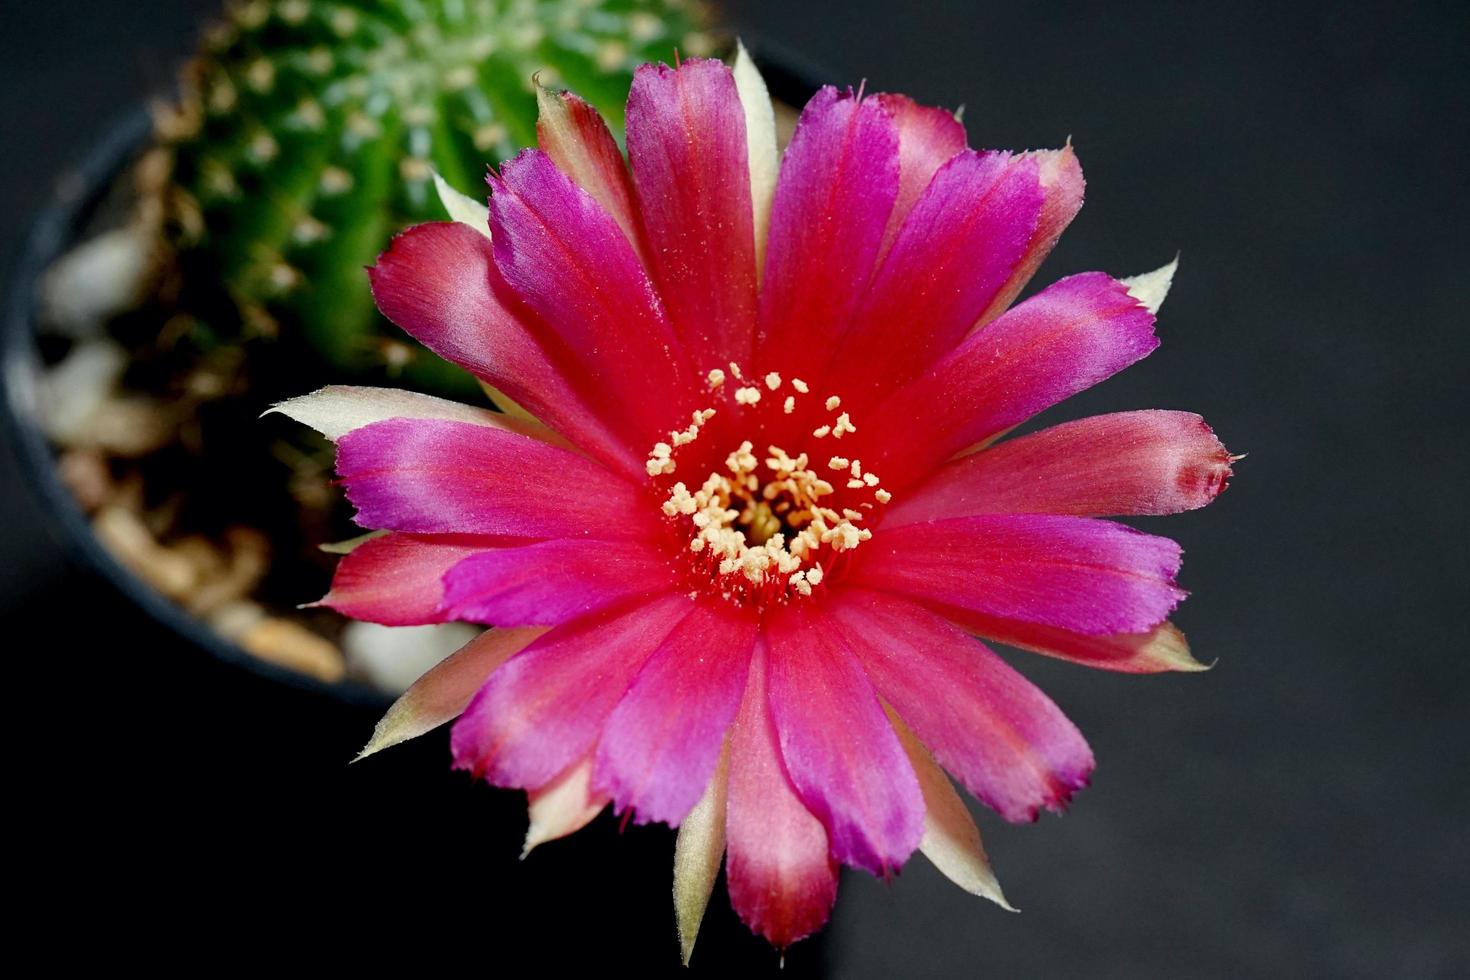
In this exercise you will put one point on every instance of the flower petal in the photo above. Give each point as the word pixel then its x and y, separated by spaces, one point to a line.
pixel 1154 651
pixel 398 579
pixel 698 852
pixel 838 181
pixel 337 410
pixel 1148 462
pixel 576 138
pixel 1000 736
pixel 837 744
pixel 951 839
pixel 687 147
pixel 1151 288
pixel 561 807
pixel 1063 340
pixel 543 710
pixel 662 741
pixel 927 138
pixel 1061 187
pixel 1076 573
pixel 781 878
pixel 440 477
pixel 551 582
pixel 461 207
pixel 760 139
pixel 439 283
pixel 442 693
pixel 952 255
pixel 569 262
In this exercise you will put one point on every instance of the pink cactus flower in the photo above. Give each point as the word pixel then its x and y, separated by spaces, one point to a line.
pixel 748 511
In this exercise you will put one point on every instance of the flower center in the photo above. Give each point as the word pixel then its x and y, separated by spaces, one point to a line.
pixel 767 527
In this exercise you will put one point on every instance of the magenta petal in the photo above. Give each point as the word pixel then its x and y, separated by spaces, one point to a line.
pixel 1076 573
pixel 990 727
pixel 836 189
pixel 839 748
pixel 1061 186
pixel 543 709
pixel 571 263
pixel 781 878
pixel 686 143
pixel 397 579
pixel 438 282
pixel 953 254
pixel 662 741
pixel 430 476
pixel 1148 462
pixel 1063 340
pixel 927 138
pixel 1154 651
pixel 551 582
pixel 576 138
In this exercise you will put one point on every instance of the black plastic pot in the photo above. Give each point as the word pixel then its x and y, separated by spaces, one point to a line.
pixel 59 226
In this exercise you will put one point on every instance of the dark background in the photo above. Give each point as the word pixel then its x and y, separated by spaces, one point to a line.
pixel 1300 810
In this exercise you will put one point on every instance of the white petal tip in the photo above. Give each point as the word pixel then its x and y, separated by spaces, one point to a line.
pixel 760 137
pixel 1151 288
pixel 1193 666
pixel 999 898
pixel 344 547
pixel 308 410
pixel 976 878
pixel 463 208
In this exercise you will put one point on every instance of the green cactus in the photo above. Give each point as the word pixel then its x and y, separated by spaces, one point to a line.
pixel 308 132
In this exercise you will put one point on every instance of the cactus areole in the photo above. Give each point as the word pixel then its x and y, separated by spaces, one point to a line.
pixel 306 133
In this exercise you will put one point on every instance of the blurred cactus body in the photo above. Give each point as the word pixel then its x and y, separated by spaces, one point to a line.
pixel 308 132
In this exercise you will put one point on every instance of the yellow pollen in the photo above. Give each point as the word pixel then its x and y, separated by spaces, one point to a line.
pixel 762 526
pixel 735 370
